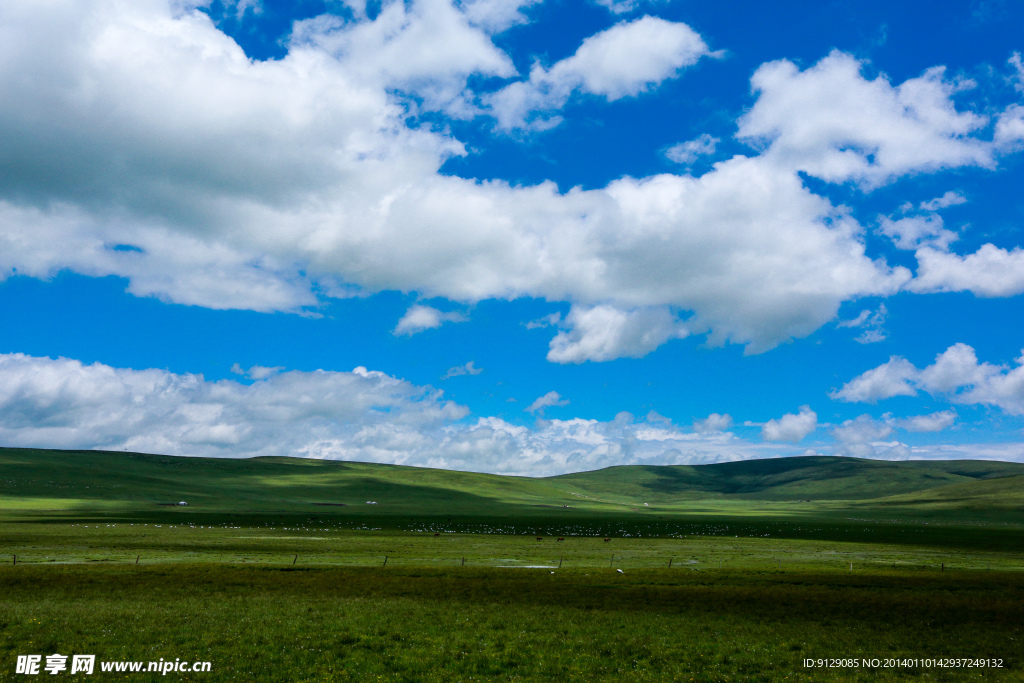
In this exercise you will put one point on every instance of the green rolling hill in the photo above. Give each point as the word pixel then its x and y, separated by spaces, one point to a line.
pixel 34 481
pixel 815 478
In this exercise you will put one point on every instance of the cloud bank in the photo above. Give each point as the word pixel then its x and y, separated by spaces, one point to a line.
pixel 360 415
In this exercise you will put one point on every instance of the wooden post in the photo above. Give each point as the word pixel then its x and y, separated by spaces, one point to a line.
pixel 463 562
pixel 295 559
pixel 385 561
pixel 942 567
pixel 670 563
pixel 137 558
pixel 559 563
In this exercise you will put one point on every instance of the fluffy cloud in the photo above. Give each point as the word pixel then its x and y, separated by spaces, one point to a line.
pixel 857 437
pixel 890 379
pixel 713 423
pixel 622 61
pixel 834 124
pixel 866 437
pixel 791 426
pixel 948 199
pixel 990 271
pixel 65 404
pixel 603 333
pixel 688 152
pixel 935 422
pixel 955 374
pixel 914 231
pixel 419 318
pixel 427 48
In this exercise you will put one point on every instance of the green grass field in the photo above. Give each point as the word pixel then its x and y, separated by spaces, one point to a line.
pixel 279 570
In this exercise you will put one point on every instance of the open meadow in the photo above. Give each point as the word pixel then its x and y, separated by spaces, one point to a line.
pixel 308 571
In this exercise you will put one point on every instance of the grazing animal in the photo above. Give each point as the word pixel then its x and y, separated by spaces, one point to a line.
pixel 607 540
pixel 561 539
pixel 539 538
pixel 437 535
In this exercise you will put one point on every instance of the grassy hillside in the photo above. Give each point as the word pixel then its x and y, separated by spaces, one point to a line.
pixel 83 477
pixel 763 497
pixel 785 479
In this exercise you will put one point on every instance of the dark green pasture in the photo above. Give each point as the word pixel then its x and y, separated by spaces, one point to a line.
pixel 287 623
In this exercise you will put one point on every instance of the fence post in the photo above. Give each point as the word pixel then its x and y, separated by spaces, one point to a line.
pixel 851 566
pixel 137 558
pixel 670 563
pixel 559 563
pixel 295 559
pixel 385 561
pixel 463 562
pixel 942 567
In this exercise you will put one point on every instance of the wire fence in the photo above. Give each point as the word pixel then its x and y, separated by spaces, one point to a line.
pixel 610 561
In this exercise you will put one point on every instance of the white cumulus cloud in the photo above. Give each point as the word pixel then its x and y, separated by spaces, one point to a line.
pixel 858 438
pixel 419 318
pixel 956 374
pixel 64 403
pixel 892 378
pixel 791 426
pixel 691 150
pixel 603 333
pixel 622 61
pixel 934 422
pixel 834 124
pixel 714 422
pixel 990 271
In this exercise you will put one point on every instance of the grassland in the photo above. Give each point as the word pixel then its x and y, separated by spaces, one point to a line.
pixel 279 570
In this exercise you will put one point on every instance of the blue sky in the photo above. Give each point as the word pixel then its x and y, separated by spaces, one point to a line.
pixel 513 236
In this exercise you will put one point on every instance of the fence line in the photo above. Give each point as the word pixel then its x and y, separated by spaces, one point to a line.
pixel 571 562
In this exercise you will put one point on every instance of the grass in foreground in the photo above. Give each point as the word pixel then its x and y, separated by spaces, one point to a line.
pixel 405 624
